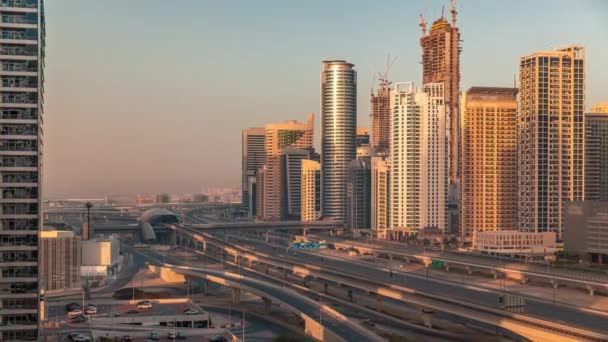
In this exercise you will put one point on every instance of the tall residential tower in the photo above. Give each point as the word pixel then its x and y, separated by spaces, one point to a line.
pixel 22 54
pixel 338 134
pixel 489 160
pixel 253 156
pixel 551 137
pixel 596 153
pixel 441 64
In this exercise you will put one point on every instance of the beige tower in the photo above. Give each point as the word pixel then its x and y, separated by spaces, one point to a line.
pixel 380 197
pixel 551 132
pixel 489 160
pixel 280 136
pixel 311 190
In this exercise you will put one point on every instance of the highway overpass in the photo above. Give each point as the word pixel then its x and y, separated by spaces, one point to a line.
pixel 470 304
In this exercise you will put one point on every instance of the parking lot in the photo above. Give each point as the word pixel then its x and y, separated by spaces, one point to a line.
pixel 109 308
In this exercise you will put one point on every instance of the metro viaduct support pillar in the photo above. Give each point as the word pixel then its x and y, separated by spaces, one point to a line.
pixel 236 296
pixel 267 304
pixel 591 290
pixel 427 317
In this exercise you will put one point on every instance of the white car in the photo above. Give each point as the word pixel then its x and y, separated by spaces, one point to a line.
pixel 144 305
pixel 74 313
pixel 191 312
pixel 91 310
pixel 81 338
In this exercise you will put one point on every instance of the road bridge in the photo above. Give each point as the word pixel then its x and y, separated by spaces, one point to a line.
pixel 527 326
pixel 333 327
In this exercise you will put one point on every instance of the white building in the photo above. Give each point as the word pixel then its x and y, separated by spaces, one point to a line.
pixel 380 197
pixel 101 258
pixel 513 242
pixel 418 159
pixel 310 200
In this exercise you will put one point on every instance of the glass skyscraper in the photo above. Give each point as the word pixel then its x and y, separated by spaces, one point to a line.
pixel 338 134
pixel 22 45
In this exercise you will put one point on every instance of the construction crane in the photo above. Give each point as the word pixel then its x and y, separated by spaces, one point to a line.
pixel 383 77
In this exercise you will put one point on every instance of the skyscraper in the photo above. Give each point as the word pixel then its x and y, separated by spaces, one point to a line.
pixel 380 115
pixel 550 137
pixel 253 156
pixel 358 194
pixel 380 197
pixel 338 133
pixel 441 64
pixel 406 103
pixel 419 158
pixel 21 111
pixel 596 154
pixel 280 136
pixel 311 190
pixel 489 159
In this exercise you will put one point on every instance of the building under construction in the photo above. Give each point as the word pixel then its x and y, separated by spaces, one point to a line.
pixel 441 64
pixel 380 113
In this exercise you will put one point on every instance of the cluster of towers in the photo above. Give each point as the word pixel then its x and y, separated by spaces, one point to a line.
pixel 485 159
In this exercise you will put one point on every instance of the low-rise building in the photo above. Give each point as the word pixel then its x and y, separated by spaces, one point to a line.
pixel 100 258
pixel 514 242
pixel 60 259
pixel 586 230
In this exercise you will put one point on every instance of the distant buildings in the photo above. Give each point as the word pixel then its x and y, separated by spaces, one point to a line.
pixel 380 195
pixel 380 116
pixel 291 180
pixel 338 133
pixel 586 230
pixel 163 198
pixel 550 137
pixel 279 137
pixel 441 64
pixel 596 154
pixel 488 160
pixel 253 157
pixel 143 199
pixel 60 260
pixel 310 190
pixel 363 138
pixel 358 194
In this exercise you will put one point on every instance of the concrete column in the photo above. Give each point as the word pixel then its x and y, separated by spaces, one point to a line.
pixel 554 283
pixel 206 285
pixel 469 270
pixel 236 296
pixel 250 262
pixel 427 318
pixel 591 290
pixel 447 267
pixel 204 246
pixel 325 286
pixel 495 274
pixel 378 303
pixel 267 238
pixel 236 259
pixel 267 304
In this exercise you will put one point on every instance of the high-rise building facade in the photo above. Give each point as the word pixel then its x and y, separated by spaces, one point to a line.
pixel 419 159
pixel 489 160
pixel 550 137
pixel 311 190
pixel 405 159
pixel 253 157
pixel 280 136
pixel 380 197
pixel 261 178
pixel 358 194
pixel 291 180
pixel 596 154
pixel 441 64
pixel 338 134
pixel 60 259
pixel 380 116
pixel 22 53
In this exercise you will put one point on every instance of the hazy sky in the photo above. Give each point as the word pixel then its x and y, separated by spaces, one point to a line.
pixel 151 96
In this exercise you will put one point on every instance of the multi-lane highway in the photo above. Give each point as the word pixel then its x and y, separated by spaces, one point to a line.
pixel 248 280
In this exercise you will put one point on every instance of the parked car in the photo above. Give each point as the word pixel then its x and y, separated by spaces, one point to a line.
pixel 73 335
pixel 146 305
pixel 90 310
pixel 181 335
pixel 154 336
pixel 127 338
pixel 74 313
pixel 132 312
pixel 82 338
pixel 72 307
pixel 218 338
pixel 77 319
pixel 172 335
pixel 191 312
